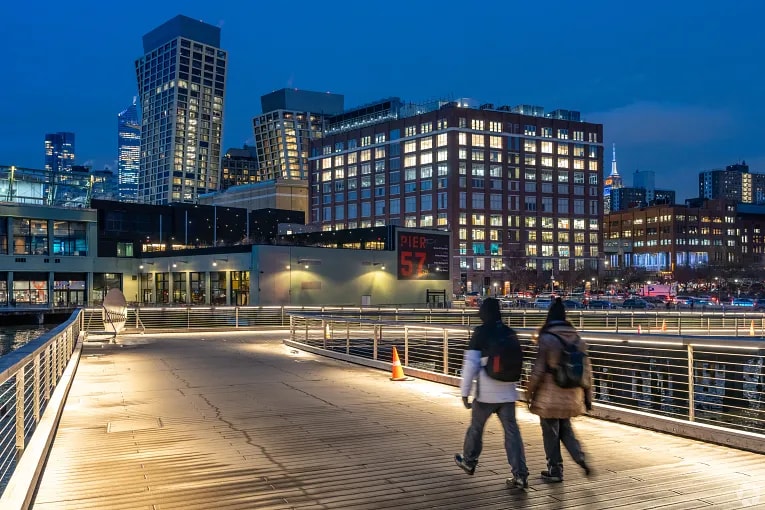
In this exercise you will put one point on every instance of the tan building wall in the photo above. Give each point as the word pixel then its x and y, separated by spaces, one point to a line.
pixel 291 195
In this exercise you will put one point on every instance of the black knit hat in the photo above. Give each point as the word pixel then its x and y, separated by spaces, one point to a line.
pixel 489 311
pixel 557 311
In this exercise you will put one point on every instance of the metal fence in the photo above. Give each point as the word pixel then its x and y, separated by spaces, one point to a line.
pixel 28 377
pixel 718 381
pixel 180 318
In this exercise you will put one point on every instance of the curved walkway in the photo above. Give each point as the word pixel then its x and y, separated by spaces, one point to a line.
pixel 238 420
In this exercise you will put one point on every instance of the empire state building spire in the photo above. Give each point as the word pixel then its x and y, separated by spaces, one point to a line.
pixel 614 171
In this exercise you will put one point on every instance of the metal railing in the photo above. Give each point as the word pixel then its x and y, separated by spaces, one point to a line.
pixel 716 381
pixel 179 318
pixel 28 377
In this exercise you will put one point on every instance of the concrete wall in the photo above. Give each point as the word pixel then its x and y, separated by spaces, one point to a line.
pixel 332 277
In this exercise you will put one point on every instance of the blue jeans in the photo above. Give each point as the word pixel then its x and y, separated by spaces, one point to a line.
pixel 471 450
pixel 554 432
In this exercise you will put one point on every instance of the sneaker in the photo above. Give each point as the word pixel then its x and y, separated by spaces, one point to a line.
pixel 552 476
pixel 465 465
pixel 584 466
pixel 517 482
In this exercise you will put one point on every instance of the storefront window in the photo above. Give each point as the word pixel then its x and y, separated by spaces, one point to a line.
pixel 69 289
pixel 197 282
pixel 3 289
pixel 102 283
pixel 163 288
pixel 3 236
pixel 179 288
pixel 30 289
pixel 69 238
pixel 240 288
pixel 30 237
pixel 218 288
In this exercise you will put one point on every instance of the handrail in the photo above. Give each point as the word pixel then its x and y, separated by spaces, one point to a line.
pixel 704 323
pixel 29 396
pixel 710 388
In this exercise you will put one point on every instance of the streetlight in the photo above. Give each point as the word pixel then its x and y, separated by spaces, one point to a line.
pixel 495 289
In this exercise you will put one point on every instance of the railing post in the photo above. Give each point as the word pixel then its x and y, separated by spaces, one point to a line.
pixel 236 317
pixel 292 326
pixel 406 346
pixel 374 342
pixel 45 378
pixel 691 396
pixel 735 319
pixel 446 352
pixel 709 326
pixel 282 312
pixel 20 412
pixel 36 389
pixel 347 336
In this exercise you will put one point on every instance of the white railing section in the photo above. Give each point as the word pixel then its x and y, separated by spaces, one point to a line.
pixel 714 381
pixel 28 377
pixel 702 323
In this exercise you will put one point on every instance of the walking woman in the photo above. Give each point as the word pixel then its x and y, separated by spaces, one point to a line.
pixel 556 405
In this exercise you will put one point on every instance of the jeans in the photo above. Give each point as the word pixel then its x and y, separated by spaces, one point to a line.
pixel 554 432
pixel 516 456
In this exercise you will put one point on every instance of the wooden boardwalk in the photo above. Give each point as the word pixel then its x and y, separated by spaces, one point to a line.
pixel 237 420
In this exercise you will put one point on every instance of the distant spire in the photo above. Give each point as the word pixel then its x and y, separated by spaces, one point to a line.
pixel 135 98
pixel 614 171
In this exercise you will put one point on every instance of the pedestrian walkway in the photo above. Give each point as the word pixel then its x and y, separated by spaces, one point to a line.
pixel 240 421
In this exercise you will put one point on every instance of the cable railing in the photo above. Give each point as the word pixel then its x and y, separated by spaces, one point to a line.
pixel 717 381
pixel 29 376
pixel 189 318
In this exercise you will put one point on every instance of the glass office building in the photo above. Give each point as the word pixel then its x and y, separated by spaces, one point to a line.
pixel 128 152
pixel 181 83
pixel 59 152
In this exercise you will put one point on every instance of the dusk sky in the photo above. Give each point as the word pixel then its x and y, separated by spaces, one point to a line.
pixel 677 84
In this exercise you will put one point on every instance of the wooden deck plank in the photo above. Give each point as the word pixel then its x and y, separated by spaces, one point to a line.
pixel 237 421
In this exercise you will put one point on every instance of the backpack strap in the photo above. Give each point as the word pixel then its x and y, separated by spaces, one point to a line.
pixel 563 344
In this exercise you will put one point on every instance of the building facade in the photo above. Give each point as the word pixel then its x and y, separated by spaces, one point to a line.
pixel 181 83
pixel 239 166
pixel 521 193
pixel 663 238
pixel 287 194
pixel 128 152
pixel 59 152
pixel 734 183
pixel 291 118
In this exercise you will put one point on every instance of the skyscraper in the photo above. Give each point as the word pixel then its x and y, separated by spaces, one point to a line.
pixel 59 152
pixel 291 118
pixel 612 182
pixel 181 82
pixel 128 152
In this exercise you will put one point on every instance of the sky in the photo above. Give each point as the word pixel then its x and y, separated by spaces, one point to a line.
pixel 677 84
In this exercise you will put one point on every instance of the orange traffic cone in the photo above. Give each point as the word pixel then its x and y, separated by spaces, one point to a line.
pixel 398 371
pixel 751 329
pixel 664 325
pixel 640 330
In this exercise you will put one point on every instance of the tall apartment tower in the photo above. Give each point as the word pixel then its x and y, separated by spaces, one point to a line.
pixel 128 153
pixel 734 183
pixel 239 166
pixel 521 192
pixel 59 152
pixel 181 83
pixel 291 118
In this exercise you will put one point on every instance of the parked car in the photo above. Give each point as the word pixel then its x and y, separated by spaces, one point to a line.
pixel 641 304
pixel 543 302
pixel 570 304
pixel 743 302
pixel 600 304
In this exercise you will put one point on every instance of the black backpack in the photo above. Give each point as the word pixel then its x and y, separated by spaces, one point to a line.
pixel 504 353
pixel 570 370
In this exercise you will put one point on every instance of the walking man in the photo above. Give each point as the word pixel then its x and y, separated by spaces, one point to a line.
pixel 556 405
pixel 493 359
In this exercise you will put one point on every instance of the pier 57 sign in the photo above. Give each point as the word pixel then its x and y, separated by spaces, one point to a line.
pixel 422 255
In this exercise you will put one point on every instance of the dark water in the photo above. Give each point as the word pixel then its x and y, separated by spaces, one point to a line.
pixel 13 337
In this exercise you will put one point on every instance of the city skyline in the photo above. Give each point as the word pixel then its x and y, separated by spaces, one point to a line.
pixel 679 72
